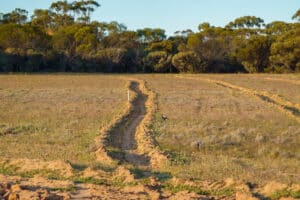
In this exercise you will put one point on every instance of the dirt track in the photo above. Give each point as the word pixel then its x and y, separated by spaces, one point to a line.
pixel 124 136
pixel 125 143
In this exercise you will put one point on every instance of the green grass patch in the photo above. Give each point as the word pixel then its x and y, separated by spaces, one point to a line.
pixel 90 180
pixel 177 158
pixel 70 188
pixel 223 192
pixel 8 170
pixel 178 188
pixel 12 170
pixel 285 193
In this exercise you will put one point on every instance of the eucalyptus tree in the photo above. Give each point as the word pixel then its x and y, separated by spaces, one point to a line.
pixel 61 7
pixel 17 16
pixel 285 51
pixel 61 11
pixel 277 28
pixel 254 54
pixel 297 15
pixel 246 22
pixel 43 18
pixel 148 35
pixel 84 8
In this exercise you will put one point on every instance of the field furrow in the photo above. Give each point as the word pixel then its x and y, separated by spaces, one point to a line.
pixel 291 109
pixel 212 130
pixel 130 140
pixel 122 137
pixel 177 137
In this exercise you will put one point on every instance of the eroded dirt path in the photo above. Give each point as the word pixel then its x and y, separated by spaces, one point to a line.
pixel 123 138
pixel 124 143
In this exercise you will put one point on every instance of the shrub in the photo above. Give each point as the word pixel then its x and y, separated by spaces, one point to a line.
pixel 160 60
pixel 188 62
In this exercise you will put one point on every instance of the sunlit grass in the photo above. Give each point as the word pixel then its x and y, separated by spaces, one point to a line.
pixel 218 132
pixel 53 117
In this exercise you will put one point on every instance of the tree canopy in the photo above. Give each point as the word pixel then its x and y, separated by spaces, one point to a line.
pixel 63 38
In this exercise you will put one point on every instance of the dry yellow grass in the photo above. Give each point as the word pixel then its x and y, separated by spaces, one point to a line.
pixel 220 132
pixel 290 109
pixel 212 132
pixel 220 136
pixel 57 116
pixel 285 86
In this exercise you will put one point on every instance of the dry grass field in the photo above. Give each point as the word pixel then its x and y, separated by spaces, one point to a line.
pixel 219 132
pixel 180 136
pixel 56 116
pixel 285 86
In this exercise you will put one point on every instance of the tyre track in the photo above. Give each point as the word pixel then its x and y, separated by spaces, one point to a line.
pixel 291 109
pixel 123 136
pixel 101 142
pixel 130 140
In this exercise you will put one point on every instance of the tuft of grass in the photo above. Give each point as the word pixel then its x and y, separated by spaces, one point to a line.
pixel 178 188
pixel 119 182
pixel 8 170
pixel 177 158
pixel 162 176
pixel 12 170
pixel 223 192
pixel 51 174
pixel 90 180
pixel 70 188
pixel 285 193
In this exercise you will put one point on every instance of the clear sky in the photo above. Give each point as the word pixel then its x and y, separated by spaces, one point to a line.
pixel 173 15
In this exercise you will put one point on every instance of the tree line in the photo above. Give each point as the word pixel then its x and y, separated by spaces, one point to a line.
pixel 64 39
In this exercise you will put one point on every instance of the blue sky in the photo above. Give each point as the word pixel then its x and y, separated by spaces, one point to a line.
pixel 173 15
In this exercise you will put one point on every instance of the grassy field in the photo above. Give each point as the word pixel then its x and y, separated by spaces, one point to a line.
pixel 53 117
pixel 212 132
pixel 286 86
